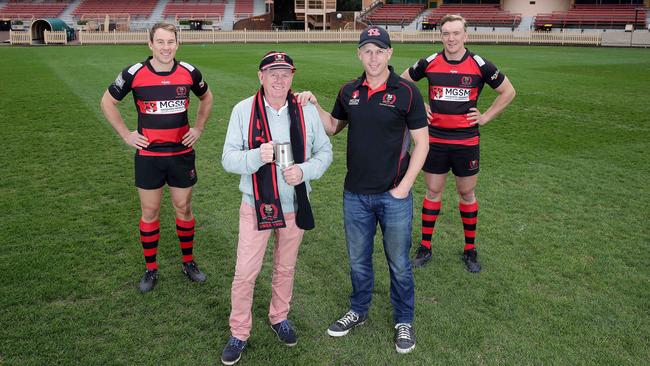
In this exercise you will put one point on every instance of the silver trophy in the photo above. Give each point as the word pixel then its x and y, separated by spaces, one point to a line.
pixel 283 154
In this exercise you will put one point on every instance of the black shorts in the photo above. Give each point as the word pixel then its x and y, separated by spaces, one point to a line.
pixel 152 172
pixel 463 160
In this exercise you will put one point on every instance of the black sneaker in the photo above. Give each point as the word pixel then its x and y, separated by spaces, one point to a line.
pixel 471 261
pixel 404 338
pixel 148 280
pixel 232 352
pixel 285 332
pixel 193 272
pixel 422 256
pixel 342 326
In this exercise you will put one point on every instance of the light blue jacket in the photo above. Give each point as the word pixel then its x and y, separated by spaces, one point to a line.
pixel 237 158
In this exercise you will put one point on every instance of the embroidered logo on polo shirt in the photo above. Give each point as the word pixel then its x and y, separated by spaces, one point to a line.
pixel 388 100
pixel 355 98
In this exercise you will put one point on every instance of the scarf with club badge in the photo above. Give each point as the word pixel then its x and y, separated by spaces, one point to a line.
pixel 265 185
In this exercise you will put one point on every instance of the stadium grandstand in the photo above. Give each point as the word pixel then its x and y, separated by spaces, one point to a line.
pixel 604 16
pixel 395 14
pixel 141 8
pixel 17 9
pixel 198 12
pixel 477 15
pixel 407 15
pixel 243 9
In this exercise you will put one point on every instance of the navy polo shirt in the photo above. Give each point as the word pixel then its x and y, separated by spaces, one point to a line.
pixel 379 121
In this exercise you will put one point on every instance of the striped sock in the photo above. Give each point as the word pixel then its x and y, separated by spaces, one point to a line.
pixel 430 211
pixel 149 235
pixel 469 216
pixel 185 231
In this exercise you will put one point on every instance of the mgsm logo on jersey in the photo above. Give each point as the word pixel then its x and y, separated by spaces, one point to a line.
pixel 164 106
pixel 450 94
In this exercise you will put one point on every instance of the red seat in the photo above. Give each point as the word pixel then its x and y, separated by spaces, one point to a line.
pixel 477 15
pixel 587 15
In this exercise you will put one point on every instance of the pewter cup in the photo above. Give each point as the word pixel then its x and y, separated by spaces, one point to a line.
pixel 283 154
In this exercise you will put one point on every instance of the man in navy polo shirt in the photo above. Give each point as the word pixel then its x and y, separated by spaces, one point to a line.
pixel 383 112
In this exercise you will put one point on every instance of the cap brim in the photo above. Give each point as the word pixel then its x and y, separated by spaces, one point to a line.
pixel 378 43
pixel 277 67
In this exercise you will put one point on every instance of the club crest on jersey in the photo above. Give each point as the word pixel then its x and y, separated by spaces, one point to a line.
pixel 449 94
pixel 164 106
pixel 354 100
pixel 150 107
pixel 269 211
pixel 466 81
pixel 388 100
pixel 181 91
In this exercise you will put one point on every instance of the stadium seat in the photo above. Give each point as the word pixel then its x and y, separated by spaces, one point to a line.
pixel 477 15
pixel 593 16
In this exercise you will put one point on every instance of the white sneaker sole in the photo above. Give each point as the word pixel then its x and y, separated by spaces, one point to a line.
pixel 404 350
pixel 334 333
pixel 283 342
pixel 228 363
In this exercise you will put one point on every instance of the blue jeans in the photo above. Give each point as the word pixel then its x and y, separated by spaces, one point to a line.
pixel 361 212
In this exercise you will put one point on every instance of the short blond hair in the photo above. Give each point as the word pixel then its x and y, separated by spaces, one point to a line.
pixel 165 26
pixel 453 18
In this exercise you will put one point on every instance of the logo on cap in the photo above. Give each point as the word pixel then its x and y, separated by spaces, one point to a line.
pixel 373 32
pixel 279 57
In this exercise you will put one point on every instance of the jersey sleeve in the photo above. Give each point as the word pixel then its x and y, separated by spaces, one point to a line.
pixel 416 116
pixel 121 86
pixel 199 86
pixel 491 75
pixel 338 111
pixel 418 70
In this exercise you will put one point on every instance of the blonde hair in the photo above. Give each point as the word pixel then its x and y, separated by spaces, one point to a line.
pixel 453 18
pixel 165 26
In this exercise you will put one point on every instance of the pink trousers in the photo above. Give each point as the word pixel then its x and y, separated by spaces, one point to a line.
pixel 250 255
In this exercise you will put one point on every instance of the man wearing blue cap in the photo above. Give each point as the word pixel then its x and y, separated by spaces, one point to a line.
pixel 383 112
pixel 274 198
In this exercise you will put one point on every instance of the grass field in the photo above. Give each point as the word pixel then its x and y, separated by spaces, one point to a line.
pixel 563 231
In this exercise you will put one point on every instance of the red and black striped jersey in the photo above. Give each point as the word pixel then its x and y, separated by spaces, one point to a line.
pixel 162 100
pixel 454 88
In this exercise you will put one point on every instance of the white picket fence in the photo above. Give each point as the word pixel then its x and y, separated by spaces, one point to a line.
pixel 57 37
pixel 187 36
pixel 20 37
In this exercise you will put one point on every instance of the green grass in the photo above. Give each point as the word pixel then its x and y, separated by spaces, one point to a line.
pixel 563 230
